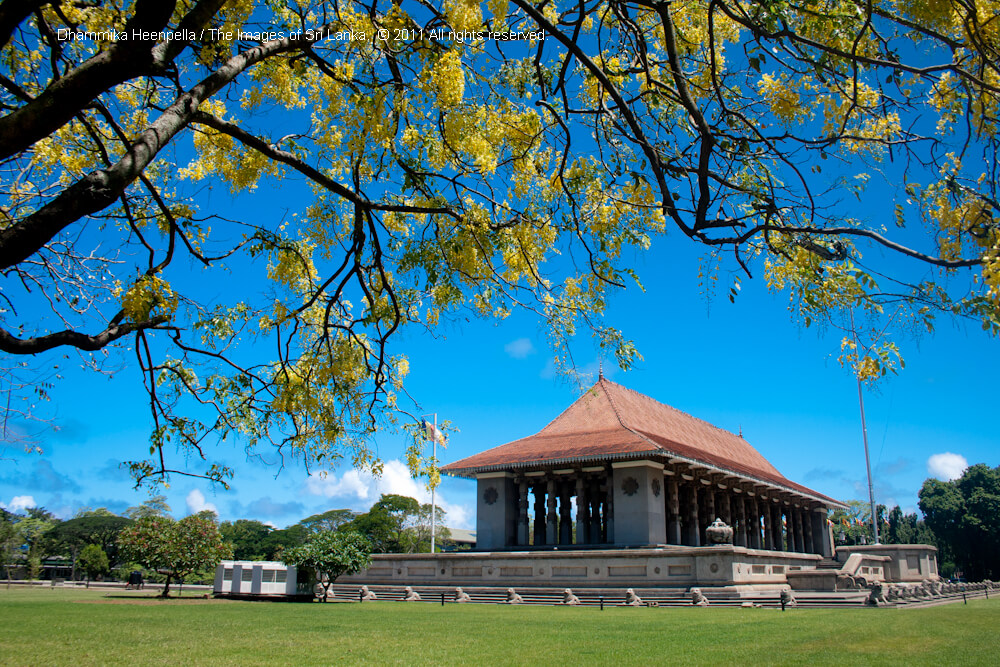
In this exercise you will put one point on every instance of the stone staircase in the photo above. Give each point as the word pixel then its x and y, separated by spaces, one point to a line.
pixel 593 597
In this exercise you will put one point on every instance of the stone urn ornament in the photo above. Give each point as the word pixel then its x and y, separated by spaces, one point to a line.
pixel 719 532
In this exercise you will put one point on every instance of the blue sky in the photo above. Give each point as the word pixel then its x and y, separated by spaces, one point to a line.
pixel 742 366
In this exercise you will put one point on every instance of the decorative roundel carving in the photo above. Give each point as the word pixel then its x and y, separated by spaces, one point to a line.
pixel 490 495
pixel 656 487
pixel 714 567
pixel 630 485
pixel 656 570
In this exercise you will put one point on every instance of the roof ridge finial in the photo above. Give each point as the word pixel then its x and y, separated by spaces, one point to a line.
pixel 600 370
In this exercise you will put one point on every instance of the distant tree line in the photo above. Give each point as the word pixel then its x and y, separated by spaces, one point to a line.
pixel 96 543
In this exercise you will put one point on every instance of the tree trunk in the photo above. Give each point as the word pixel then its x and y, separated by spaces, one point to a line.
pixel 166 587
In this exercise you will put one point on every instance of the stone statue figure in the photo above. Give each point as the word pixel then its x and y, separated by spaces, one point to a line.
pixel 461 596
pixel 366 594
pixel 787 599
pixel 719 532
pixel 513 597
pixel 569 598
pixel 411 595
pixel 632 600
pixel 877 596
pixel 697 598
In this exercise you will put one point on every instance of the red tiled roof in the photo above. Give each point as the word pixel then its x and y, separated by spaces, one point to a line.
pixel 612 422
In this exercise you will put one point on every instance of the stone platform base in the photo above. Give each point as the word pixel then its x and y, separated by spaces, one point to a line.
pixel 719 567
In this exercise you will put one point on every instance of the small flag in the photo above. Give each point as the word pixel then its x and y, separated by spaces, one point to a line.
pixel 432 432
pixel 829 523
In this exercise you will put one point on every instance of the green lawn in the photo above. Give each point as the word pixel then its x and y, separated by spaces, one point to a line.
pixel 64 626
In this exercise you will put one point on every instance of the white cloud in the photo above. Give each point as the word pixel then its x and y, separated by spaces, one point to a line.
pixel 355 486
pixel 196 503
pixel 947 466
pixel 520 348
pixel 19 503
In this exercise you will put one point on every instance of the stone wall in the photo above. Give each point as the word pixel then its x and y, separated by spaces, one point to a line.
pixel 723 566
pixel 907 562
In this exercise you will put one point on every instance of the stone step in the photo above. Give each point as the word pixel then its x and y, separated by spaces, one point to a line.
pixel 593 597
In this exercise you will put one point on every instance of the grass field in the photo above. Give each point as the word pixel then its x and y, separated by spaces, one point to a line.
pixel 63 626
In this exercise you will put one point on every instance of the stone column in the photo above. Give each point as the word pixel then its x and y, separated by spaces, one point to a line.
pixel 565 513
pixel 779 526
pixel 710 515
pixel 552 518
pixel 694 522
pixel 807 530
pixel 725 512
pixel 753 522
pixel 673 513
pixel 539 532
pixel 609 511
pixel 522 512
pixel 768 542
pixel 496 510
pixel 822 539
pixel 582 511
pixel 801 531
pixel 596 522
pixel 740 531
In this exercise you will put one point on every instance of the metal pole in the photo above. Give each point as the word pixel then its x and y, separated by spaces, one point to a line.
pixel 864 434
pixel 433 485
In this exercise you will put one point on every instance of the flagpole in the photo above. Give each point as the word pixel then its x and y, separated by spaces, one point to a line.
pixel 864 432
pixel 434 486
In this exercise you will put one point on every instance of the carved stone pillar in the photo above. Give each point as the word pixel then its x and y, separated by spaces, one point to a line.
pixel 552 518
pixel 565 512
pixel 725 511
pixel 768 525
pixel 800 530
pixel 539 532
pixel 522 512
pixel 596 521
pixel 582 511
pixel 822 535
pixel 609 511
pixel 740 531
pixel 673 513
pixel 780 525
pixel 710 514
pixel 807 531
pixel 694 522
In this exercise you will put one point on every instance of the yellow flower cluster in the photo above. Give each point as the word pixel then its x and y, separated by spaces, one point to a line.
pixel 148 296
pixel 447 80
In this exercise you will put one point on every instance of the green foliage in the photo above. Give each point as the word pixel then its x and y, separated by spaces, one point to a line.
pixel 253 540
pixel 68 537
pixel 965 516
pixel 446 179
pixel 329 520
pixel 93 561
pixel 34 567
pixel 154 506
pixel 178 547
pixel 398 524
pixel 330 554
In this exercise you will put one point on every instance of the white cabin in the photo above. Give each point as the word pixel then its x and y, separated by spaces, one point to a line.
pixel 243 577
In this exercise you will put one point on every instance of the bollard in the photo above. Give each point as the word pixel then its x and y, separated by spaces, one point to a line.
pixel 783 601
pixel 442 598
pixel 601 598
pixel 987 591
pixel 361 596
pixel 964 600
